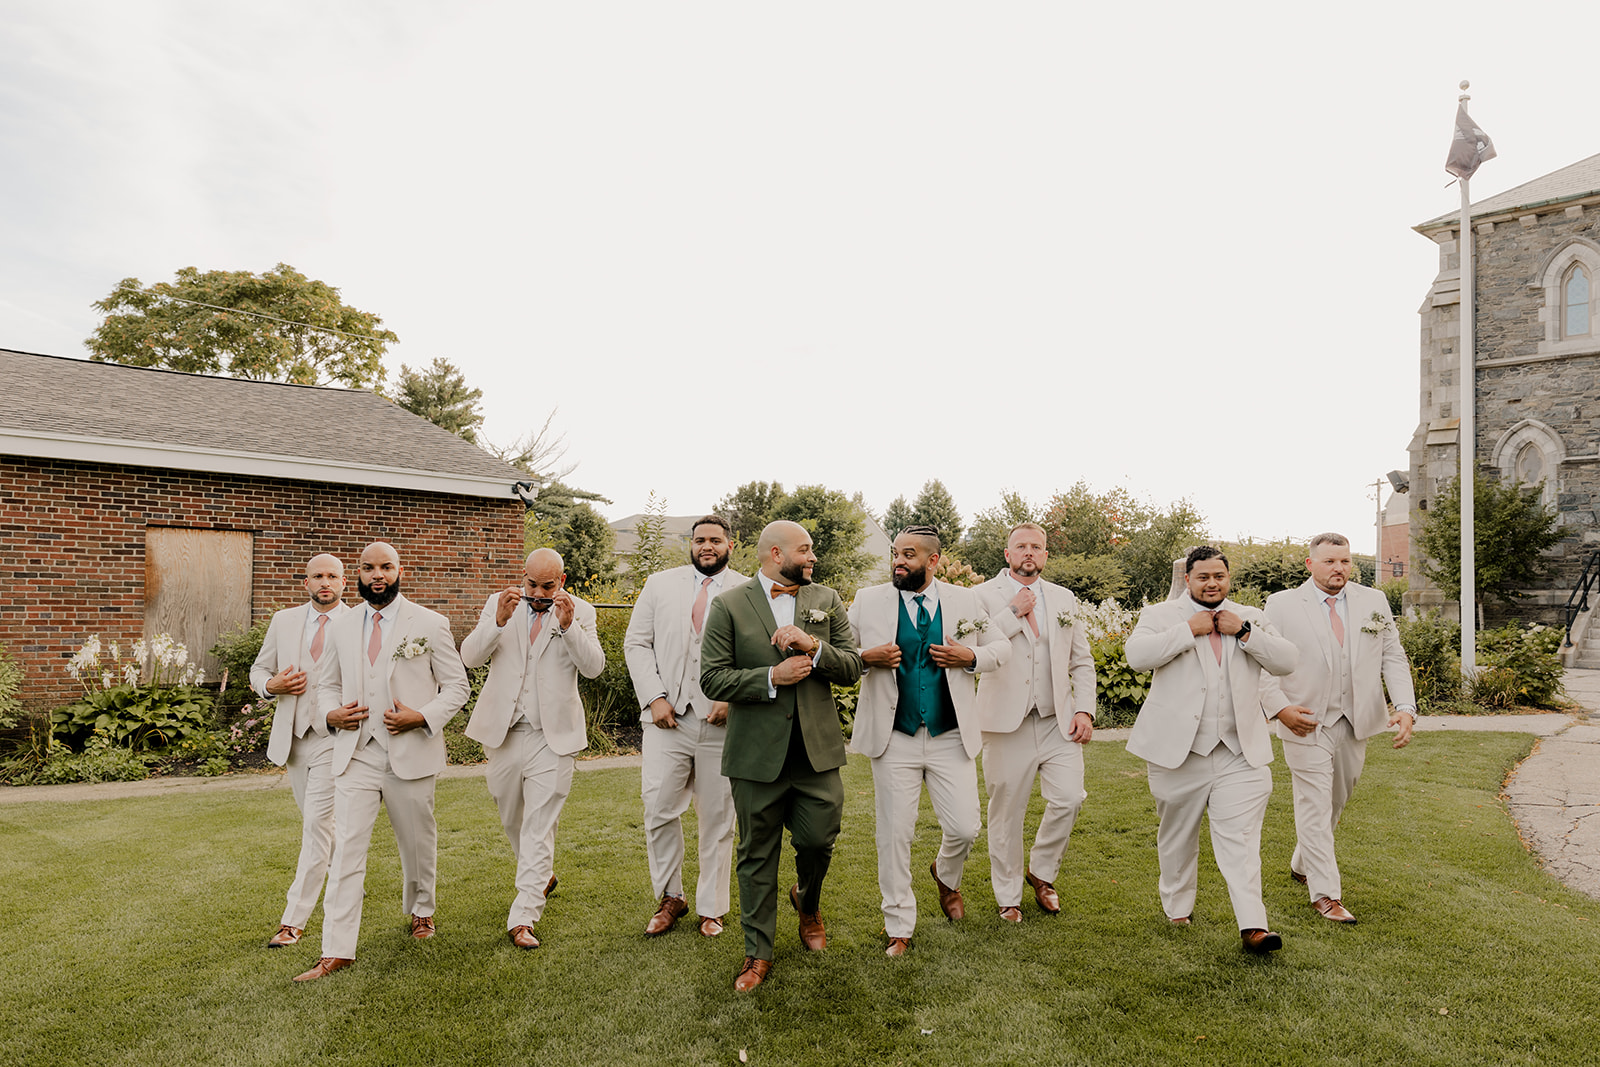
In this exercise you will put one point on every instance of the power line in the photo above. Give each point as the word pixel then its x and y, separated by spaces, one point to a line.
pixel 253 314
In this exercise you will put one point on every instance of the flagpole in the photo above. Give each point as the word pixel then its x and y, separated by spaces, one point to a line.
pixel 1467 447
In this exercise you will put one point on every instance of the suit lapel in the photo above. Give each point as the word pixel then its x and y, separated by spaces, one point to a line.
pixel 760 603
pixel 1317 613
pixel 394 628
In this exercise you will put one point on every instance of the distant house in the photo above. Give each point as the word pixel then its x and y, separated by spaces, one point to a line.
pixel 135 502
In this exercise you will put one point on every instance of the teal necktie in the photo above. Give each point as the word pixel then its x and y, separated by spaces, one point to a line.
pixel 924 620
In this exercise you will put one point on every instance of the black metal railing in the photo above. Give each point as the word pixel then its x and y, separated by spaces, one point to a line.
pixel 1578 599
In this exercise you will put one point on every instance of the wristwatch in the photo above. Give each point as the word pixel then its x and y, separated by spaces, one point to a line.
pixel 1244 631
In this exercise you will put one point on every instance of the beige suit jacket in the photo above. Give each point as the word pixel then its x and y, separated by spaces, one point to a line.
pixel 1003 696
pixel 874 620
pixel 559 662
pixel 1186 669
pixel 433 683
pixel 1376 659
pixel 661 639
pixel 280 648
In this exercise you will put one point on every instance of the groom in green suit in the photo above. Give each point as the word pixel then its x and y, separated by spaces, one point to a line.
pixel 770 649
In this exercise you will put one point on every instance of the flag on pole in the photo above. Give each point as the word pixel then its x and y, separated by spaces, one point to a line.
pixel 1470 147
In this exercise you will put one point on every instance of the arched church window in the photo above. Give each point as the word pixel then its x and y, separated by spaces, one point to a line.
pixel 1575 302
pixel 1530 468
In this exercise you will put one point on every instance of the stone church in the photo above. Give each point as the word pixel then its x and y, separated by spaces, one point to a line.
pixel 1537 321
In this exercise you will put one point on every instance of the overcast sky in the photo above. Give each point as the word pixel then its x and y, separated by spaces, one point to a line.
pixel 1165 247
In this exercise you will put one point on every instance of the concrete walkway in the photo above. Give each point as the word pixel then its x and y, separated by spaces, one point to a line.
pixel 1554 794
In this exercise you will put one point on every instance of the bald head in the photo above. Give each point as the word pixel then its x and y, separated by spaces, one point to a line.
pixel 544 573
pixel 324 580
pixel 785 552
pixel 379 576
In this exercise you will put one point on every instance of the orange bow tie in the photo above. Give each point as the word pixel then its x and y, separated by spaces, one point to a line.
pixel 784 590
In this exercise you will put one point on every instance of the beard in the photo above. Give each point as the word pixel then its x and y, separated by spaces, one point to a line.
pixel 1209 604
pixel 912 580
pixel 716 566
pixel 1026 569
pixel 379 600
pixel 794 574
pixel 325 596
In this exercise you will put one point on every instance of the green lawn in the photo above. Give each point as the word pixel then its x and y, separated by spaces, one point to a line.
pixel 134 934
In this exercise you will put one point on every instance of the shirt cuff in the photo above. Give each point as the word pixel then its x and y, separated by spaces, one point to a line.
pixel 772 687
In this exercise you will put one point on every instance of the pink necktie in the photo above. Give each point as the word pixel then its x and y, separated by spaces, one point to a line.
pixel 1216 638
pixel 316 642
pixel 1334 621
pixel 535 626
pixel 375 645
pixel 697 614
pixel 1033 622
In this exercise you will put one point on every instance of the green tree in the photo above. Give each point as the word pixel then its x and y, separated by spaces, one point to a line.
pixel 563 519
pixel 897 517
pixel 440 394
pixel 1094 524
pixel 275 326
pixel 1146 555
pixel 985 546
pixel 935 507
pixel 650 553
pixel 1091 578
pixel 749 508
pixel 1511 530
pixel 837 525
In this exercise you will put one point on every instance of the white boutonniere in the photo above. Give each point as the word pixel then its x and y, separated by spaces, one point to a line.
pixel 411 648
pixel 1065 619
pixel 967 627
pixel 816 615
pixel 1377 624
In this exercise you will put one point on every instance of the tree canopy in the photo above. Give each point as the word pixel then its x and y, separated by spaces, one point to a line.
pixel 275 326
pixel 934 506
pixel 985 546
pixel 440 394
pixel 1510 532
pixel 749 508
pixel 837 525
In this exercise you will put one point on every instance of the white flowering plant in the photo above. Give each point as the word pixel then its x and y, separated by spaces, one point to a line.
pixel 152 699
pixel 411 648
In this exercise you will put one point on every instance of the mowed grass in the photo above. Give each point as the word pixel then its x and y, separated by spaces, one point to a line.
pixel 134 934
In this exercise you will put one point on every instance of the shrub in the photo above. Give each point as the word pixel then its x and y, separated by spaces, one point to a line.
pixel 100 761
pixel 1395 590
pixel 11 675
pixel 1533 658
pixel 1092 579
pixel 955 572
pixel 149 701
pixel 458 747
pixel 235 651
pixel 1248 595
pixel 609 699
pixel 1432 644
pixel 1122 689
pixel 214 766
pixel 845 698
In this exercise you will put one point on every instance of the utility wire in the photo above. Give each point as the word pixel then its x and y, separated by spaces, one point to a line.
pixel 254 314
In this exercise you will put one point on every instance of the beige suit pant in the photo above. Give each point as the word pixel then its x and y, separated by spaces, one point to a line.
pixel 1324 773
pixel 367 782
pixel 897 779
pixel 311 780
pixel 1011 762
pixel 679 766
pixel 529 782
pixel 1234 796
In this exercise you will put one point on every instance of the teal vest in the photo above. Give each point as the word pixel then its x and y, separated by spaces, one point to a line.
pixel 924 689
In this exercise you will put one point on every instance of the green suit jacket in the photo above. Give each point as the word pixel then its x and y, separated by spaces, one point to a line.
pixel 736 652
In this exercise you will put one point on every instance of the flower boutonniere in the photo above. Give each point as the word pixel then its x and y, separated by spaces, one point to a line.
pixel 1377 624
pixel 816 615
pixel 411 648
pixel 1065 619
pixel 968 627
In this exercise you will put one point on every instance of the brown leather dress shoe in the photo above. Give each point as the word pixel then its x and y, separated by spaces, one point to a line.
pixel 1297 876
pixel 1044 893
pixel 325 966
pixel 666 917
pixel 422 927
pixel 1260 942
pixel 898 946
pixel 949 899
pixel 286 936
pixel 551 887
pixel 1182 920
pixel 1333 909
pixel 812 935
pixel 1012 914
pixel 711 926
pixel 752 974
pixel 522 937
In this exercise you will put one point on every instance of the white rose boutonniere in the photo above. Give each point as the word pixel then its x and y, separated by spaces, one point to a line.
pixel 967 627
pixel 1065 619
pixel 1377 624
pixel 816 615
pixel 411 648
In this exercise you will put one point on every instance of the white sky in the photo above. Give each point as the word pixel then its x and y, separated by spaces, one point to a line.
pixel 1007 245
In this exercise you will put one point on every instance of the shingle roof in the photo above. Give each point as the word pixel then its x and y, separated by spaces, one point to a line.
pixel 335 434
pixel 1574 182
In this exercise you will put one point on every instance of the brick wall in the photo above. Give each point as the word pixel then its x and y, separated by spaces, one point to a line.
pixel 72 549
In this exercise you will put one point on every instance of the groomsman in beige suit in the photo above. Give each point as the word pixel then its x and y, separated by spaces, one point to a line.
pixel 1036 716
pixel 1205 739
pixel 537 639
pixel 921 643
pixel 294 644
pixel 683 731
pixel 388 685
pixel 1332 703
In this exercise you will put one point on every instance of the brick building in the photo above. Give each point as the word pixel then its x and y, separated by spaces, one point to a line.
pixel 1537 326
pixel 135 501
